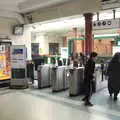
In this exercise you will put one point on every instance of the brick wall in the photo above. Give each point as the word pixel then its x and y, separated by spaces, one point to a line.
pixel 103 46
pixel 78 46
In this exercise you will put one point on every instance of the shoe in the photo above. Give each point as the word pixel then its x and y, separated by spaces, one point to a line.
pixel 115 98
pixel 110 95
pixel 84 99
pixel 88 104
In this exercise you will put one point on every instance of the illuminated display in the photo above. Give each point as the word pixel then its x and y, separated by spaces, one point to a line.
pixel 4 63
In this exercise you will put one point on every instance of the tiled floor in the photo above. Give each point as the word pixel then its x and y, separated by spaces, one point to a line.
pixel 34 104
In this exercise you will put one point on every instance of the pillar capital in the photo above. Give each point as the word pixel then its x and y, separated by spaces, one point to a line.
pixel 88 14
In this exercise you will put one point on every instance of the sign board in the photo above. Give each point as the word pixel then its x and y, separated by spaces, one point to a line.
pixel 106 24
pixel 118 43
pixel 115 49
pixel 64 52
pixel 108 4
pixel 18 57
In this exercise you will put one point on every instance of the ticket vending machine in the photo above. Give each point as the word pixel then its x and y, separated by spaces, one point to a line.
pixel 18 67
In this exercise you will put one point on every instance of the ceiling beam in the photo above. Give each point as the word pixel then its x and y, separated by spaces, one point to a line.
pixel 77 7
pixel 32 5
pixel 9 7
pixel 9 14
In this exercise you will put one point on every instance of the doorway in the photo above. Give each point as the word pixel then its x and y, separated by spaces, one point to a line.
pixel 53 48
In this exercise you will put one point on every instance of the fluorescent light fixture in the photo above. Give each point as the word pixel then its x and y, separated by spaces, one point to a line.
pixel 105 35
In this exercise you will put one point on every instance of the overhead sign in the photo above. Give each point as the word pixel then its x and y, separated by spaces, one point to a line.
pixel 115 49
pixel 106 24
pixel 64 52
pixel 109 4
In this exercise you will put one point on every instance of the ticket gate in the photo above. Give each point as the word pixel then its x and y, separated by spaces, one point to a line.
pixel 76 81
pixel 59 81
pixel 43 76
pixel 101 83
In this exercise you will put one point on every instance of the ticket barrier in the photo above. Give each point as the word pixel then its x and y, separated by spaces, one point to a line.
pixel 76 81
pixel 43 76
pixel 58 77
pixel 52 73
pixel 67 77
pixel 100 82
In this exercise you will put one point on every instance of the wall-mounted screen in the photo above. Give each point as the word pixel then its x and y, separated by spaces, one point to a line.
pixel 17 51
pixel 18 30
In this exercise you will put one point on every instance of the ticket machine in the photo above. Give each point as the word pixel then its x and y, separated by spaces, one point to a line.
pixel 18 67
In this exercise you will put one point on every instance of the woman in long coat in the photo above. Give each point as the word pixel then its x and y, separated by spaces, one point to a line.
pixel 113 72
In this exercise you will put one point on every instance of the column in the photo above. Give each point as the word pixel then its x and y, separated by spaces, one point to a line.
pixel 74 42
pixel 88 32
pixel 65 41
pixel 83 44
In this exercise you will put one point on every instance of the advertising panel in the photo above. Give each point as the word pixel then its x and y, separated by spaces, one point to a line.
pixel 64 52
pixel 5 70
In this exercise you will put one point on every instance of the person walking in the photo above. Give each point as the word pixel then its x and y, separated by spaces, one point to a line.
pixel 113 73
pixel 88 78
pixel 102 69
pixel 75 61
pixel 81 59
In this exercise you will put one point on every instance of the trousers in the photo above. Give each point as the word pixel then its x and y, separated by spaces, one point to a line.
pixel 88 88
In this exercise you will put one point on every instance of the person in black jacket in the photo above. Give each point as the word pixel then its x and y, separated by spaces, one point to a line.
pixel 113 73
pixel 88 77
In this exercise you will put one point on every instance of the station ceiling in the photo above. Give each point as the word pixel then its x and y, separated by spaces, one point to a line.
pixel 14 8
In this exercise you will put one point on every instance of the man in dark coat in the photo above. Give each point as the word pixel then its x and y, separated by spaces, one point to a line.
pixel 113 73
pixel 30 71
pixel 88 77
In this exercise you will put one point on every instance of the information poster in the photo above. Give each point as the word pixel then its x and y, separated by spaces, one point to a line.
pixel 115 49
pixel 5 71
pixel 64 52
pixel 18 57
